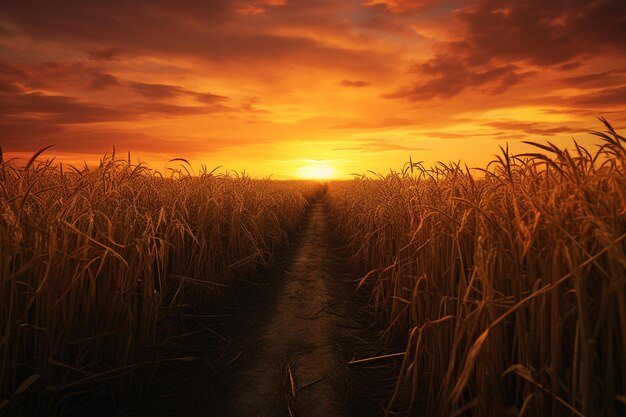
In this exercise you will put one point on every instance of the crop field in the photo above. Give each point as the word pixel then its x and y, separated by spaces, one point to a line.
pixel 509 291
pixel 494 292
pixel 96 265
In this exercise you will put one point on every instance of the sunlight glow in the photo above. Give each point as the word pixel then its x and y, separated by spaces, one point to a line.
pixel 316 169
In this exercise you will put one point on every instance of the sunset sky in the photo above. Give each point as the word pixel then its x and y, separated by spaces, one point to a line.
pixel 299 88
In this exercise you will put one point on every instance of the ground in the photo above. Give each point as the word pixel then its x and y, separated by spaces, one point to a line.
pixel 285 343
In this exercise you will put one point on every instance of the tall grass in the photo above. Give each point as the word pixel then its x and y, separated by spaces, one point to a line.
pixel 96 265
pixel 509 291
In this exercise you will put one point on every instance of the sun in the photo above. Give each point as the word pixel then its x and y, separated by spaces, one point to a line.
pixel 316 170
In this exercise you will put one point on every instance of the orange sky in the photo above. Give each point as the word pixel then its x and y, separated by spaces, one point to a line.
pixel 295 88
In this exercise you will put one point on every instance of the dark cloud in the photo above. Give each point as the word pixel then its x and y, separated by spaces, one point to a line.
pixel 531 128
pixel 101 81
pixel 24 136
pixel 498 38
pixel 381 22
pixel 357 83
pixel 598 79
pixel 173 110
pixel 8 87
pixel 209 98
pixel 541 33
pixel 157 91
pixel 213 31
pixel 508 136
pixel 378 145
pixel 375 124
pixel 446 135
pixel 58 109
pixel 31 119
pixel 400 6
pixel 59 75
pixel 603 100
pixel 568 67
pixel 165 91
pixel 107 54
pixel 20 134
pixel 11 74
pixel 447 76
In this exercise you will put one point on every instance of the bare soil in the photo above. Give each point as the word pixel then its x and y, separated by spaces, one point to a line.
pixel 283 347
pixel 296 351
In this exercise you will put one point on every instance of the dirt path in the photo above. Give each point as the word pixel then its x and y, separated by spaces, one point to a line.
pixel 301 319
pixel 299 340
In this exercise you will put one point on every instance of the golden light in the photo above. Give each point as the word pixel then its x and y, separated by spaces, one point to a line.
pixel 316 170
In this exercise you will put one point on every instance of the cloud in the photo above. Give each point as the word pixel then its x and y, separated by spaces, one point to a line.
pixel 32 119
pixel 157 91
pixel 172 110
pixel 257 7
pixel 153 92
pixel 569 66
pixel 24 136
pixel 603 100
pixel 11 74
pixel 445 135
pixel 542 33
pixel 375 124
pixel 214 31
pixel 399 6
pixel 107 54
pixel 448 75
pixel 101 81
pixel 250 9
pixel 378 145
pixel 597 79
pixel 51 75
pixel 531 128
pixel 199 74
pixel 357 83
pixel 210 98
pixel 59 109
pixel 8 87
pixel 500 44
pixel 21 134
pixel 57 75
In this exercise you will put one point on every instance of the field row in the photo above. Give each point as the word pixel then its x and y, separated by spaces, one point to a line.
pixel 98 265
pixel 509 292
